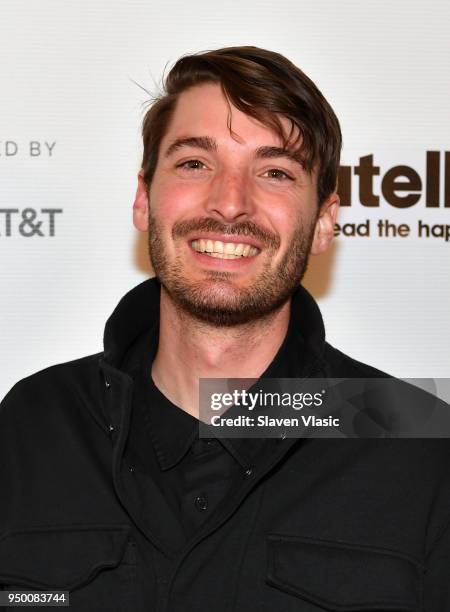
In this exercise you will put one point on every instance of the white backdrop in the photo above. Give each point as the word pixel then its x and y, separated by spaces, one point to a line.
pixel 70 117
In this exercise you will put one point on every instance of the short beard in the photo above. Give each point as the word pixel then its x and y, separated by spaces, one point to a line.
pixel 209 300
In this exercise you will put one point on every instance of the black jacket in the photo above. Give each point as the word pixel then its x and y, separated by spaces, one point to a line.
pixel 324 524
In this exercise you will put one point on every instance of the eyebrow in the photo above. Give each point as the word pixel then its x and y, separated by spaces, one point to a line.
pixel 270 152
pixel 200 142
pixel 209 144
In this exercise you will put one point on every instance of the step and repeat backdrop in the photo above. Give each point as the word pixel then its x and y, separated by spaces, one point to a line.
pixel 75 78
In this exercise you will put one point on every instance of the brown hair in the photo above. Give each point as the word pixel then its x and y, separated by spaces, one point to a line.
pixel 264 85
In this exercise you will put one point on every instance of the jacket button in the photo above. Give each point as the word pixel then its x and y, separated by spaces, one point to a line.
pixel 111 428
pixel 201 503
pixel 131 468
pixel 248 472
pixel 107 384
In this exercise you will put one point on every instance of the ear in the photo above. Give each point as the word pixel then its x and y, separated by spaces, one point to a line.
pixel 324 230
pixel 141 203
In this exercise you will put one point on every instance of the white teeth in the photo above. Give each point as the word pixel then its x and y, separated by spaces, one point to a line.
pixel 223 255
pixel 224 250
pixel 218 247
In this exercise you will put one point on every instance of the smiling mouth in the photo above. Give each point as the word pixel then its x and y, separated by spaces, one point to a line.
pixel 224 250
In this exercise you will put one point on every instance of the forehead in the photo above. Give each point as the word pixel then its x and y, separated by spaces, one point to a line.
pixel 203 110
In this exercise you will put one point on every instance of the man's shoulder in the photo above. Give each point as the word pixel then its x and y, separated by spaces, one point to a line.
pixel 339 365
pixel 63 384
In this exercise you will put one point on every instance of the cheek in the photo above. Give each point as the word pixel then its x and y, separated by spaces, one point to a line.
pixel 288 210
pixel 173 199
pixel 282 216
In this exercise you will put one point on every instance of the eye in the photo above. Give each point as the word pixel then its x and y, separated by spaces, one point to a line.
pixel 279 175
pixel 192 164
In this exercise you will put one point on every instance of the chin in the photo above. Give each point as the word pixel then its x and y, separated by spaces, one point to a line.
pixel 222 305
pixel 214 295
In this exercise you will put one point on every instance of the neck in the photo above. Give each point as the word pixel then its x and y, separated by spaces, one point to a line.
pixel 190 349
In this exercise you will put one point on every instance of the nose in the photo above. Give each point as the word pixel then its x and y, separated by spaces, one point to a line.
pixel 230 198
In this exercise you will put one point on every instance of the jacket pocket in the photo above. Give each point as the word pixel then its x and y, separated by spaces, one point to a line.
pixel 340 576
pixel 95 563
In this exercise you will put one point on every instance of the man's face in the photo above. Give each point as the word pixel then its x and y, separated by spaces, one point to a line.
pixel 231 217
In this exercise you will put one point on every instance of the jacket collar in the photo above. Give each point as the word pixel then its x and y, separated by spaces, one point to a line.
pixel 138 312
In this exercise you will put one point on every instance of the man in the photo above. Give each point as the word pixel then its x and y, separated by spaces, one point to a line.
pixel 107 489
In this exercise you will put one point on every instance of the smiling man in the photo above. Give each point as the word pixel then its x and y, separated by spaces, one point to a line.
pixel 109 492
pixel 232 211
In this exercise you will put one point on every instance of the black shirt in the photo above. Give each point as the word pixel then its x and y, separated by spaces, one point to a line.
pixel 341 524
pixel 192 474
